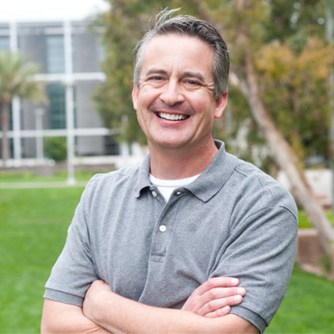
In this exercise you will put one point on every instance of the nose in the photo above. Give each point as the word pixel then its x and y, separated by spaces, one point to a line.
pixel 172 93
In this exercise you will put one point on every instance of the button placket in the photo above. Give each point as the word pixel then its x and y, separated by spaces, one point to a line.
pixel 163 231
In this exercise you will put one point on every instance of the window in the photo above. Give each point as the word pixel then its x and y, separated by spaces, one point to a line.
pixel 55 54
pixel 4 43
pixel 57 118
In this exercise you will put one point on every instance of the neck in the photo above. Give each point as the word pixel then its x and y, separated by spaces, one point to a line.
pixel 171 164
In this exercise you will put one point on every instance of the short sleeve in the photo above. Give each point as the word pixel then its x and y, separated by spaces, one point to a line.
pixel 261 253
pixel 74 269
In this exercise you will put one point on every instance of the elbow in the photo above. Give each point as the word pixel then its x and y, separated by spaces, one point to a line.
pixel 45 326
pixel 48 326
pixel 54 315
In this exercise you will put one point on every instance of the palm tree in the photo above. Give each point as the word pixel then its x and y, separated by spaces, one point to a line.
pixel 16 80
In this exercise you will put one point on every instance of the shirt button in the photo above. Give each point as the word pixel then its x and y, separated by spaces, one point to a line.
pixel 154 193
pixel 162 228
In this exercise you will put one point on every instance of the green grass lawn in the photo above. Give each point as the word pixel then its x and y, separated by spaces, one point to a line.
pixel 33 224
pixel 10 176
pixel 307 307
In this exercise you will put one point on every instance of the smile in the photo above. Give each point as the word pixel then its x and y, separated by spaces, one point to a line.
pixel 172 117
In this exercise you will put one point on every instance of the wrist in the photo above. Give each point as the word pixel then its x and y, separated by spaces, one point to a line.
pixel 94 303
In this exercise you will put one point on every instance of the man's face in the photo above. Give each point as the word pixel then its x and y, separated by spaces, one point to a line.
pixel 174 102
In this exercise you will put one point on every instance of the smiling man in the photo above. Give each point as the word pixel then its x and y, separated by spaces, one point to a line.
pixel 191 240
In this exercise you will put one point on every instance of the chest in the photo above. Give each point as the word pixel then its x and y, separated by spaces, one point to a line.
pixel 159 253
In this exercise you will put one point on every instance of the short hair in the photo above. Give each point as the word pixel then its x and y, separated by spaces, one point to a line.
pixel 190 26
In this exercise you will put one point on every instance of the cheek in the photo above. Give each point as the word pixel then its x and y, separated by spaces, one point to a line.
pixel 142 117
pixel 146 96
pixel 203 105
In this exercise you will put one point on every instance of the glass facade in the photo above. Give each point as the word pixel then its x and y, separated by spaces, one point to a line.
pixel 55 54
pixel 87 51
pixel 4 43
pixel 45 43
pixel 57 97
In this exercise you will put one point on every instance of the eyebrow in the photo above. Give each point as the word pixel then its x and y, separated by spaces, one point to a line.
pixel 155 71
pixel 186 74
pixel 196 75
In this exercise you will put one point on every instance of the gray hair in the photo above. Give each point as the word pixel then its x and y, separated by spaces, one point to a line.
pixel 191 26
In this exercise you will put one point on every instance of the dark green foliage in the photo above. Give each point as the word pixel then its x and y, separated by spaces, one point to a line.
pixel 56 148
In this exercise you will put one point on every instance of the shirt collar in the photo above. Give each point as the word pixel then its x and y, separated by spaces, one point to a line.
pixel 143 180
pixel 207 184
pixel 215 175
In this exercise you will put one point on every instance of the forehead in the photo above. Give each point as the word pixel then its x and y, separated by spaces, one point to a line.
pixel 178 51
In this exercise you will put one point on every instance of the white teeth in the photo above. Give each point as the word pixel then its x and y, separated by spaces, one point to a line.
pixel 172 117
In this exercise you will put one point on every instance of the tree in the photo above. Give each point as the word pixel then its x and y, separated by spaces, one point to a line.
pixel 114 97
pixel 259 49
pixel 16 80
pixel 245 76
pixel 297 77
pixel 330 38
pixel 289 38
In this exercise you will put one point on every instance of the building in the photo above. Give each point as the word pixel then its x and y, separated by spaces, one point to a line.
pixel 69 55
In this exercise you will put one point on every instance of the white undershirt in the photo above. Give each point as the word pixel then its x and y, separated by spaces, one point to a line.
pixel 166 187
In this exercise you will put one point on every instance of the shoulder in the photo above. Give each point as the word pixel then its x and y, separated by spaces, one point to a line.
pixel 111 182
pixel 260 189
pixel 127 174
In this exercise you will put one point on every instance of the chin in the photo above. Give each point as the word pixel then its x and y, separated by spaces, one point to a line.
pixel 170 145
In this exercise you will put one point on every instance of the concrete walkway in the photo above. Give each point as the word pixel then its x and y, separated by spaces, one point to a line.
pixel 30 185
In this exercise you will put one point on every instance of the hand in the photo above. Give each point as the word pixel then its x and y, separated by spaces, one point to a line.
pixel 92 297
pixel 215 297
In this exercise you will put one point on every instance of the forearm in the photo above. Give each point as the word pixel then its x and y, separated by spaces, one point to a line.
pixel 63 318
pixel 120 315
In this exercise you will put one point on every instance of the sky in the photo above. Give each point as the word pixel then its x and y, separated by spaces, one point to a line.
pixel 37 10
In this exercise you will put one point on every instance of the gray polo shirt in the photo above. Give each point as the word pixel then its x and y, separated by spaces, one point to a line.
pixel 233 220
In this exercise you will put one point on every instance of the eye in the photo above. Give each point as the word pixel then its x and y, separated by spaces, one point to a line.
pixel 156 80
pixel 189 83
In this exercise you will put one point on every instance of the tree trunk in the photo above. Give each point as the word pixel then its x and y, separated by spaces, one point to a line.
pixel 4 112
pixel 283 155
pixel 330 38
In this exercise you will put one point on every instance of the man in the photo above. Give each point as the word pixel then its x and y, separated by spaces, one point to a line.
pixel 162 247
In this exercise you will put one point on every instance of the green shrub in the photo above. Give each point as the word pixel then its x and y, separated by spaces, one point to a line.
pixel 56 148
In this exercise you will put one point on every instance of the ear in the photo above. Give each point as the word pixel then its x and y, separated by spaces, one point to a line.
pixel 134 95
pixel 221 103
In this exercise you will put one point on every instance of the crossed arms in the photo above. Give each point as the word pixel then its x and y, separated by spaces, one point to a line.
pixel 205 311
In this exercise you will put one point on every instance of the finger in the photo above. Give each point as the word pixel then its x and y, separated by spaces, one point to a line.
pixel 213 306
pixel 219 313
pixel 220 293
pixel 214 288
pixel 215 282
pixel 223 292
